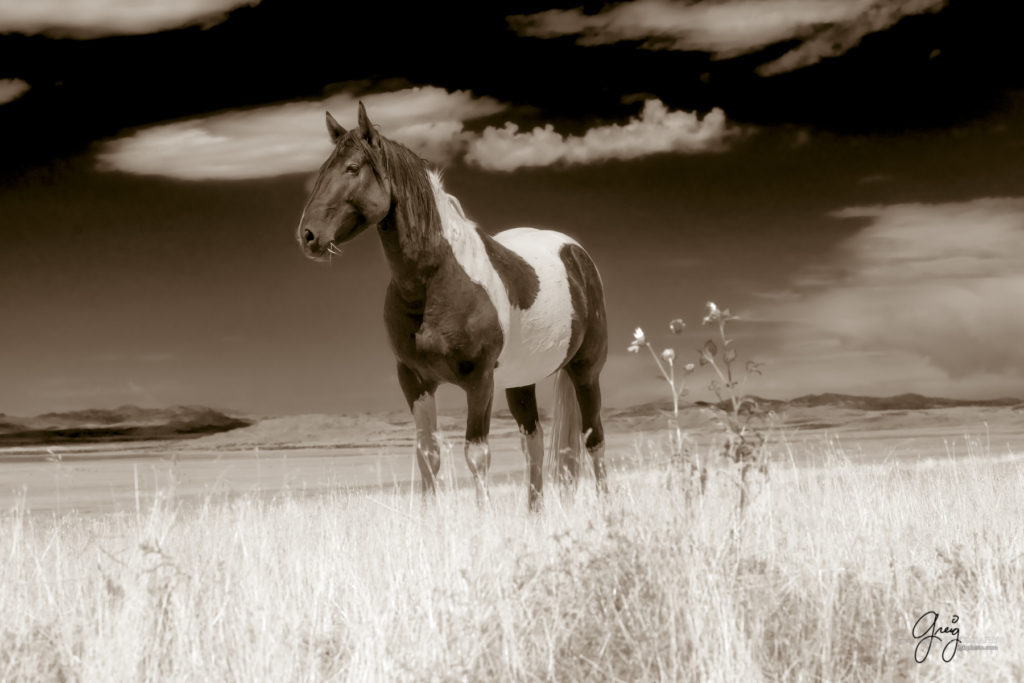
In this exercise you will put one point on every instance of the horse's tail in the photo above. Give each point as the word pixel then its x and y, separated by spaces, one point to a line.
pixel 566 432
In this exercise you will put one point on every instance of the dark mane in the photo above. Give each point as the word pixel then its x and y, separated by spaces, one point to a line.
pixel 413 205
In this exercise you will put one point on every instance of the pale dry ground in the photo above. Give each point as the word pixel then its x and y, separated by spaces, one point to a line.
pixel 309 454
pixel 821 580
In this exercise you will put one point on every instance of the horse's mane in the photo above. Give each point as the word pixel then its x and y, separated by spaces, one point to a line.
pixel 454 223
pixel 432 219
pixel 414 200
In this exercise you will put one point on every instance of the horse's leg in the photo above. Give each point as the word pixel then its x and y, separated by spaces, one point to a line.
pixel 522 401
pixel 479 395
pixel 588 393
pixel 420 397
pixel 567 435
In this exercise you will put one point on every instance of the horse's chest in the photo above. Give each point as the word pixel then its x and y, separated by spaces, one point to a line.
pixel 452 336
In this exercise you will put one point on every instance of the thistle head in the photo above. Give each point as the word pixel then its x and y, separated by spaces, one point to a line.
pixel 713 315
pixel 716 314
pixel 639 339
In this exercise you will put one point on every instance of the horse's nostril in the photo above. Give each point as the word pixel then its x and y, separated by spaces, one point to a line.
pixel 308 236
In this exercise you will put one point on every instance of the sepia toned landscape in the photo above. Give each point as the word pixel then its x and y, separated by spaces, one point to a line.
pixel 265 263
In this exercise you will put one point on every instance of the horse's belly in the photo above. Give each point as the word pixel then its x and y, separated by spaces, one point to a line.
pixel 533 350
pixel 537 339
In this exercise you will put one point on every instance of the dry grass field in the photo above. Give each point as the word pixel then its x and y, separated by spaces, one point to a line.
pixel 822 578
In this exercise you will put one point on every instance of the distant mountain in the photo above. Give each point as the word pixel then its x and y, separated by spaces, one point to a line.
pixel 899 402
pixel 830 400
pixel 125 423
pixel 132 423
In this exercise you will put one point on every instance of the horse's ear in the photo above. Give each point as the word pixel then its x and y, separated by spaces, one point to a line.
pixel 366 128
pixel 334 128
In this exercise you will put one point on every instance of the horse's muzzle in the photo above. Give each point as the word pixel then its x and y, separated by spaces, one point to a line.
pixel 310 245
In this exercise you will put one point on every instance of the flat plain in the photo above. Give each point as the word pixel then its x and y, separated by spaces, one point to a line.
pixel 297 548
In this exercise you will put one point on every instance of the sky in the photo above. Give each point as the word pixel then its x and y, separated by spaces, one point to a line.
pixel 847 176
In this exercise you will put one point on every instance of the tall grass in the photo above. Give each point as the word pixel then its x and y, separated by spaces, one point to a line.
pixel 824 581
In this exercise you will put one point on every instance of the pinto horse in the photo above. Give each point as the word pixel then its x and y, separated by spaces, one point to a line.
pixel 467 308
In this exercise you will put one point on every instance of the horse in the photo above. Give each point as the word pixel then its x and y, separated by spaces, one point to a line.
pixel 467 308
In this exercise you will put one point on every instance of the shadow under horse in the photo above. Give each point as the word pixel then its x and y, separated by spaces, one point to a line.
pixel 468 308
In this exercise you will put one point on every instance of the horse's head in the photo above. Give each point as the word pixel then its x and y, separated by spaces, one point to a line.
pixel 352 191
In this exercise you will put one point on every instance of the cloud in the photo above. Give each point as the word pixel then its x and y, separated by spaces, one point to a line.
pixel 291 137
pixel 872 373
pixel 838 38
pixel 11 89
pixel 942 282
pixel 729 28
pixel 97 18
pixel 656 130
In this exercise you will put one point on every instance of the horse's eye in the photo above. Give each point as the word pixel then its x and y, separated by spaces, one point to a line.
pixel 352 168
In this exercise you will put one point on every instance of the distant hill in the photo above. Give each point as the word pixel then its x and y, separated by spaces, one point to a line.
pixel 132 423
pixel 125 423
pixel 831 400
pixel 899 402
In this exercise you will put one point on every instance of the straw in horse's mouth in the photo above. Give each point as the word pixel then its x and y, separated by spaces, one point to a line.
pixel 334 249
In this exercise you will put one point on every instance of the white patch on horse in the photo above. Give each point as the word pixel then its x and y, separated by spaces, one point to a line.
pixel 536 340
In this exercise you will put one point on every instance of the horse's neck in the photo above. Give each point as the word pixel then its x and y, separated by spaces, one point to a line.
pixel 420 233
pixel 413 261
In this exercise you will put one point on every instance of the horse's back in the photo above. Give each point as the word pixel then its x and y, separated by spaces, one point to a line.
pixel 544 335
